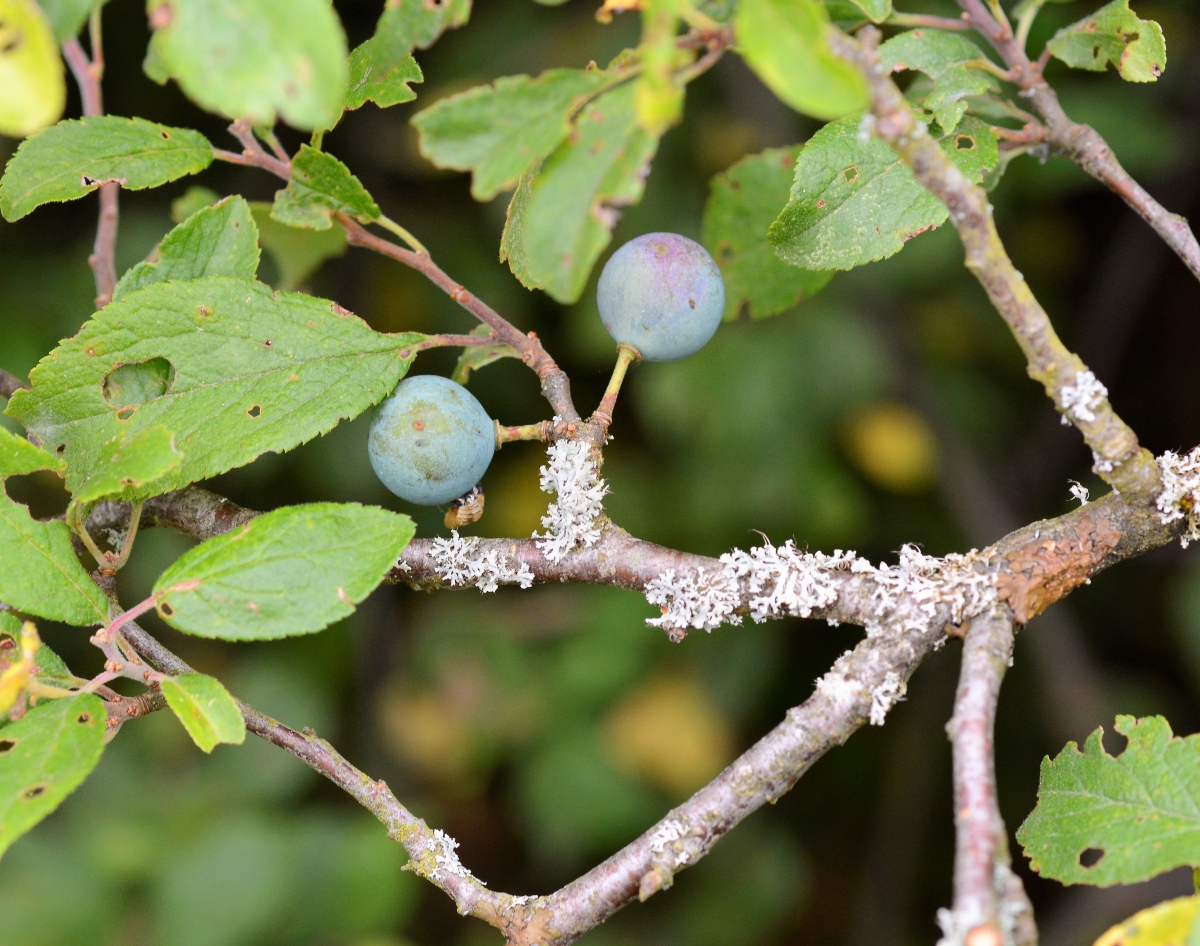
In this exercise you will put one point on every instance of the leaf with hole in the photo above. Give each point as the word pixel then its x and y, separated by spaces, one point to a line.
pixel 296 252
pixel 854 201
pixel 207 711
pixel 31 70
pixel 1113 34
pixel 944 57
pixel 44 756
pixel 499 131
pixel 221 240
pixel 129 462
pixel 784 42
pixel 76 156
pixel 234 369
pixel 321 186
pixel 292 571
pixel 561 217
pixel 475 357
pixel 1104 820
pixel 253 59
pixel 743 203
pixel 40 573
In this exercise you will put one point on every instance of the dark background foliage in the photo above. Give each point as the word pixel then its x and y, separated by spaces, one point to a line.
pixel 544 729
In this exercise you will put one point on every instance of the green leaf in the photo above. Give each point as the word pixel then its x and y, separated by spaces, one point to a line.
pixel 18 456
pixel 1130 817
pixel 478 356
pixel 296 252
pixel 221 240
pixel 381 74
pixel 66 16
pixel 206 709
pixel 40 573
pixel 129 462
pixel 418 23
pixel 75 157
pixel 193 199
pixel 46 754
pixel 319 187
pixel 783 41
pixel 33 86
pixel 1170 923
pixel 234 369
pixel 499 131
pixel 253 59
pixel 744 202
pixel 292 571
pixel 562 214
pixel 877 10
pixel 854 201
pixel 659 92
pixel 1113 34
pixel 942 56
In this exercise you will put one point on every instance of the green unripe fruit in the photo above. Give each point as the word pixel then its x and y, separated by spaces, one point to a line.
pixel 663 294
pixel 430 440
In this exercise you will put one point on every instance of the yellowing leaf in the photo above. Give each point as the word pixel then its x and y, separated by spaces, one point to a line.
pixel 669 732
pixel 33 88
pixel 893 447
pixel 1165 924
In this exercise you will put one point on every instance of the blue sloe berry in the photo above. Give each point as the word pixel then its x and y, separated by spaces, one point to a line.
pixel 663 294
pixel 430 440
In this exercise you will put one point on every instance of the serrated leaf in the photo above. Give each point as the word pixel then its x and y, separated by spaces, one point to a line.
pixel 876 10
pixel 1170 923
pixel 297 253
pixel 381 73
pixel 242 370
pixel 1113 34
pixel 129 462
pixel 499 131
pixel 319 187
pixel 743 203
pixel 208 713
pixel 75 157
pixel 854 201
pixel 418 23
pixel 292 571
pixel 49 752
pixel 562 214
pixel 33 84
pixel 1128 817
pixel 40 573
pixel 474 357
pixel 942 56
pixel 66 17
pixel 253 59
pixel 784 42
pixel 221 240
pixel 18 456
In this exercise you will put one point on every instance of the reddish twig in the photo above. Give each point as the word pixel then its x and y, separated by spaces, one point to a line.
pixel 1078 142
pixel 88 73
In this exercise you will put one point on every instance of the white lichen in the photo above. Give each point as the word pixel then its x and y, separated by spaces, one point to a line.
pixel 445 857
pixel 1180 496
pixel 571 519
pixel 1080 492
pixel 839 686
pixel 1083 397
pixel 866 127
pixel 703 601
pixel 887 694
pixel 664 843
pixel 458 561
pixel 1100 465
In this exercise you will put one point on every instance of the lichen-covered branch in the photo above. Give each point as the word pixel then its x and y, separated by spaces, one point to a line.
pixel 990 906
pixel 1081 143
pixel 1080 397
pixel 88 73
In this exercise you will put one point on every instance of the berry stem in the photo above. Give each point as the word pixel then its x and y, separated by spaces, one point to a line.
pixel 543 431
pixel 626 355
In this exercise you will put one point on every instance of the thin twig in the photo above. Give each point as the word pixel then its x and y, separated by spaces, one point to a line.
pixel 88 73
pixel 1078 142
pixel 1079 396
pixel 933 22
pixel 10 384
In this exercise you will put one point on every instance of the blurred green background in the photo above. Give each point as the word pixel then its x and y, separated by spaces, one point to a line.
pixel 544 729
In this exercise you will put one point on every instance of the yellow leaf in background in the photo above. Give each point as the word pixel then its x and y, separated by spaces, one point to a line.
pixel 893 447
pixel 33 87
pixel 669 732
pixel 605 13
pixel 1164 924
